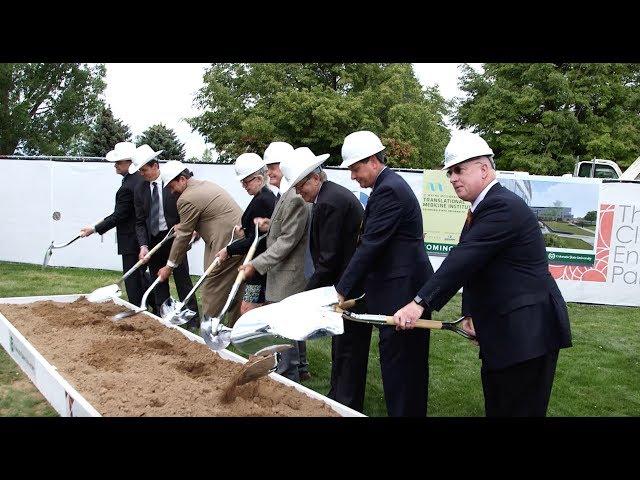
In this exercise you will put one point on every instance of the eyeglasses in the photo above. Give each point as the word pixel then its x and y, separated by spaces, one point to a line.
pixel 459 169
pixel 246 181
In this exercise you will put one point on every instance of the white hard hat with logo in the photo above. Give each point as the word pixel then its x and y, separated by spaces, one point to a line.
pixel 246 164
pixel 171 170
pixel 358 146
pixel 144 154
pixel 300 163
pixel 276 152
pixel 122 151
pixel 464 146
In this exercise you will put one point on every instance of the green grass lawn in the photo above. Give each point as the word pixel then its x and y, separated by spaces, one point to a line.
pixel 576 243
pixel 598 376
pixel 564 227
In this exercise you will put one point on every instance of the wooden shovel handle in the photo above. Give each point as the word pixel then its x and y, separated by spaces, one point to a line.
pixel 430 324
pixel 347 304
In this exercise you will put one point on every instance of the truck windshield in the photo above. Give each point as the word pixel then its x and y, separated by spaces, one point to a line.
pixel 601 171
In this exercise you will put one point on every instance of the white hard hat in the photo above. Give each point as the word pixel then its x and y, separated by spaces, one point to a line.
pixel 143 154
pixel 276 152
pixel 171 170
pixel 358 146
pixel 300 163
pixel 463 146
pixel 122 151
pixel 246 164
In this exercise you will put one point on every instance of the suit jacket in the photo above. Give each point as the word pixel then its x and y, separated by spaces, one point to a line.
pixel 518 311
pixel 123 216
pixel 286 245
pixel 335 223
pixel 142 201
pixel 209 209
pixel 390 258
pixel 261 205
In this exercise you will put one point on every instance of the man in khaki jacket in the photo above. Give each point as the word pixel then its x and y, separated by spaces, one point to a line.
pixel 208 209
pixel 283 261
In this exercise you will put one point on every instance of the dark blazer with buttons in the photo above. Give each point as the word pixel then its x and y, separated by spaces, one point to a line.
pixel 517 308
pixel 335 224
pixel 123 216
pixel 261 205
pixel 390 259
pixel 143 208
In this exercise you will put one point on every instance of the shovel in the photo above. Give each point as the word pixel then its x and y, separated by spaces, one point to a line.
pixel 258 365
pixel 103 294
pixel 49 252
pixel 172 310
pixel 143 303
pixel 261 363
pixel 130 313
pixel 210 327
pixel 388 320
pixel 276 324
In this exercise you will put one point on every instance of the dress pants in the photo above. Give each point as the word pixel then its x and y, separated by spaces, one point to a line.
pixel 134 284
pixel 349 361
pixel 180 276
pixel 404 361
pixel 521 390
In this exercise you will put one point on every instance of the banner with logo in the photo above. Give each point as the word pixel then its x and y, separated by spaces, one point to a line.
pixel 566 209
pixel 614 278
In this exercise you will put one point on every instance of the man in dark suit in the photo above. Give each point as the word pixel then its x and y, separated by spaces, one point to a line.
pixel 510 300
pixel 124 219
pixel 391 260
pixel 335 223
pixel 156 213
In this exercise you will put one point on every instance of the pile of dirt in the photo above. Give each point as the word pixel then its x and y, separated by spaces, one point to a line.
pixel 139 367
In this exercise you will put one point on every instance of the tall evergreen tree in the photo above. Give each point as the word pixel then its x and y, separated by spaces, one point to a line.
pixel 159 137
pixel 247 106
pixel 542 117
pixel 105 133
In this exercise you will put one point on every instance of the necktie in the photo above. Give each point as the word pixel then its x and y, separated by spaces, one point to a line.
pixel 308 259
pixel 278 196
pixel 467 222
pixel 154 216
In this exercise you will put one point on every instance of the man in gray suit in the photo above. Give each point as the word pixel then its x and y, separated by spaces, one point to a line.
pixel 283 260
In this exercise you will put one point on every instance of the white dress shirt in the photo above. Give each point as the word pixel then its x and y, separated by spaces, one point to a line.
pixel 483 194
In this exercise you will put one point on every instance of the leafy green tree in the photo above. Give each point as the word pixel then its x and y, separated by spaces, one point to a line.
pixel 540 117
pixel 105 133
pixel 45 107
pixel 590 216
pixel 159 137
pixel 247 106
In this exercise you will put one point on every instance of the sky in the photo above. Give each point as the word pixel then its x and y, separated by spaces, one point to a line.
pixel 145 94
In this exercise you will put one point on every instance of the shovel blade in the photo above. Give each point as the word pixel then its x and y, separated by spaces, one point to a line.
pixel 47 256
pixel 255 369
pixel 173 312
pixel 104 294
pixel 290 321
pixel 214 334
pixel 128 313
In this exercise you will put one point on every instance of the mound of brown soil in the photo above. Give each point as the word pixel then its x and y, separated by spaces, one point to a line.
pixel 138 367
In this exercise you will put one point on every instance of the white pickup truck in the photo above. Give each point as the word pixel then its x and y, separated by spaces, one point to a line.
pixel 599 168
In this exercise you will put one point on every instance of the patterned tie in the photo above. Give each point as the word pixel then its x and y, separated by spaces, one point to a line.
pixel 469 219
pixel 154 216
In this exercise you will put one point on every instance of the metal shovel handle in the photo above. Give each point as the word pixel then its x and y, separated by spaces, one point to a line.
pixel 146 294
pixel 240 276
pixel 170 235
